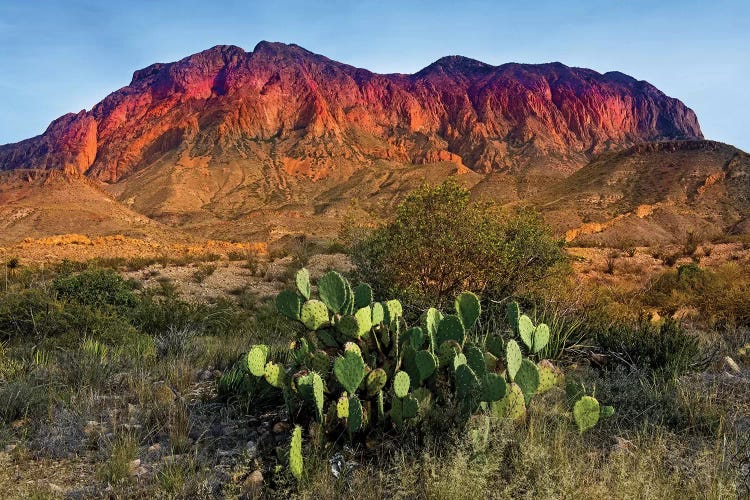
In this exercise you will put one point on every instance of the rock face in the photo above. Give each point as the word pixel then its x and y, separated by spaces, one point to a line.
pixel 304 113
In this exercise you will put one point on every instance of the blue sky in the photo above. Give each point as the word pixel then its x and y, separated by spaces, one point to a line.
pixel 63 56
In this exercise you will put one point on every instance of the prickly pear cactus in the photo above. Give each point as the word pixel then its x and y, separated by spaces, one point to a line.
pixel 333 291
pixel 513 359
pixel 512 406
pixel 451 328
pixel 401 383
pixel 527 379
pixel 274 374
pixel 426 364
pixel 302 279
pixel 256 360
pixel 349 370
pixel 493 388
pixel 354 421
pixel 289 304
pixel 548 376
pixel 342 406
pixel 526 330
pixel 362 296
pixel 295 453
pixel 376 381
pixel 468 309
pixel 541 338
pixel 314 314
pixel 512 315
pixel 311 387
pixel 586 413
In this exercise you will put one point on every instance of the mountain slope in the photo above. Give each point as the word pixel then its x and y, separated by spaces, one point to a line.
pixel 228 102
pixel 653 193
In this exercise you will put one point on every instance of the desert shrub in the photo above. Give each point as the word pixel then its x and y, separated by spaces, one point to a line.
pixel 32 313
pixel 203 272
pixel 663 347
pixel 97 288
pixel 441 243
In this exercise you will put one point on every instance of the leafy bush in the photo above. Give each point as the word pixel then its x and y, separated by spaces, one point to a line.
pixel 96 288
pixel 441 243
pixel 358 366
pixel 664 347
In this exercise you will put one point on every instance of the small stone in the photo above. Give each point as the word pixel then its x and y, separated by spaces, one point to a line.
pixel 253 483
pixel 134 464
pixel 154 450
pixel 205 376
pixel 10 447
pixel 732 365
pixel 171 459
pixel 280 427
pixel 162 393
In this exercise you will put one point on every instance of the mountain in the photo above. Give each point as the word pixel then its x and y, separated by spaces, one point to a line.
pixel 234 144
pixel 653 193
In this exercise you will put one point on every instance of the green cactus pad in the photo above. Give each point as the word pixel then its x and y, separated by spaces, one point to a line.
pixel 606 411
pixel 256 360
pixel 431 321
pixel 493 388
pixel 451 328
pixel 349 370
pixel 458 360
pixel 274 374
pixel 319 362
pixel 378 313
pixel 475 360
pixel 494 345
pixel 573 392
pixel 512 406
pixel 397 408
pixel 467 384
pixel 393 311
pixel 362 296
pixel 586 413
pixel 426 363
pixel 314 314
pixel 414 337
pixel 526 330
pixel 342 406
pixel 381 406
pixel 468 309
pixel 513 359
pixel 447 352
pixel 349 302
pixel 547 376
pixel 311 388
pixel 401 384
pixel 333 291
pixel 289 304
pixel 348 326
pixel 351 346
pixel 354 421
pixel 512 314
pixel 410 407
pixel 424 397
pixel 364 320
pixel 295 453
pixel 376 380
pixel 527 379
pixel 303 282
pixel 541 337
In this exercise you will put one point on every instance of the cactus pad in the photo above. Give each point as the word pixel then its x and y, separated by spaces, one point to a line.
pixel 586 413
pixel 256 360
pixel 513 359
pixel 512 406
pixel 467 384
pixel 475 360
pixel 354 421
pixel 606 411
pixel 295 453
pixel 526 330
pixel 493 388
pixel 302 279
pixel 432 319
pixel 289 304
pixel 274 374
pixel 527 379
pixel 349 370
pixel 414 337
pixel 541 337
pixel 512 314
pixel 410 407
pixel 364 321
pixel 393 311
pixel 491 363
pixel 426 363
pixel 342 406
pixel 547 376
pixel 451 328
pixel 378 313
pixel 314 314
pixel 468 309
pixel 494 345
pixel 311 388
pixel 333 291
pixel 376 380
pixel 362 296
pixel 458 360
pixel 401 383
pixel 319 362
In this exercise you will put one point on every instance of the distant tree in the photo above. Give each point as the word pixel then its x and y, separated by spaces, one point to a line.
pixel 441 243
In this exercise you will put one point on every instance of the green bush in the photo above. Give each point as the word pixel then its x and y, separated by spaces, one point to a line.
pixel 97 288
pixel 441 243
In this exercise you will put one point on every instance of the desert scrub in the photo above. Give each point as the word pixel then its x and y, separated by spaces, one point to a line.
pixel 203 272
